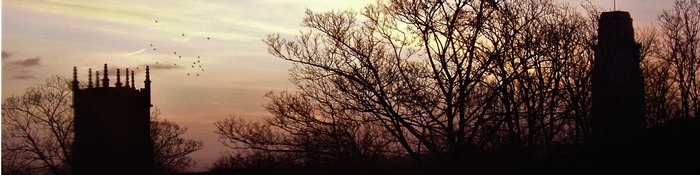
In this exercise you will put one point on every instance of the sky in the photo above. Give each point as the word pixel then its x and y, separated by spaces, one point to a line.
pixel 42 38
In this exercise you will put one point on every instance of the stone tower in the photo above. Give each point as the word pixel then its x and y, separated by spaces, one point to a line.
pixel 112 126
pixel 618 86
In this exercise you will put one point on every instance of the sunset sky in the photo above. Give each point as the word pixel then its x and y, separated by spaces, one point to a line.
pixel 45 38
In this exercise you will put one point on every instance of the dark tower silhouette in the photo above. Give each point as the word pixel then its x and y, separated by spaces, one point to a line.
pixel 112 127
pixel 618 89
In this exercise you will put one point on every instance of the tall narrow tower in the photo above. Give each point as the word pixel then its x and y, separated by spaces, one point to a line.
pixel 112 127
pixel 618 86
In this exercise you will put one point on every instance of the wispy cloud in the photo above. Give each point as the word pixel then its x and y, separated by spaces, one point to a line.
pixel 162 66
pixel 88 9
pixel 20 67
pixel 230 21
pixel 22 64
pixel 135 52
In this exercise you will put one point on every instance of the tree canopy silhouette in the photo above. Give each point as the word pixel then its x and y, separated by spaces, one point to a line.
pixel 445 80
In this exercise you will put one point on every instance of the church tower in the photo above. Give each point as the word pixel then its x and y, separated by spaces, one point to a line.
pixel 112 126
pixel 618 85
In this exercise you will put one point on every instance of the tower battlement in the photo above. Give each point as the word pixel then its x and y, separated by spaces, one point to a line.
pixel 112 125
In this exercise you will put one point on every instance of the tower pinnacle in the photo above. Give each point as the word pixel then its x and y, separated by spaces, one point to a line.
pixel 75 78
pixel 119 82
pixel 133 85
pixel 127 78
pixel 90 78
pixel 147 82
pixel 105 79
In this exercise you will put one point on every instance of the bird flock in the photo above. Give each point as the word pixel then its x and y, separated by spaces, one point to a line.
pixel 192 64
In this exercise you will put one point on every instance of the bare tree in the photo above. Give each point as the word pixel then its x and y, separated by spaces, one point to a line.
pixel 303 131
pixel 15 162
pixel 449 79
pixel 540 74
pixel 170 150
pixel 421 83
pixel 38 125
pixel 37 132
pixel 660 94
pixel 680 49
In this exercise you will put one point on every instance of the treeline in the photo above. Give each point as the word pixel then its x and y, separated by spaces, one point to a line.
pixel 452 85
